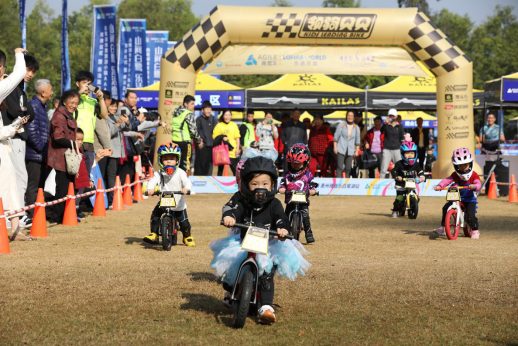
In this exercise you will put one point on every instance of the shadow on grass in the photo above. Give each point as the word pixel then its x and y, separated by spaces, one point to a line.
pixel 203 276
pixel 377 214
pixel 210 305
pixel 430 235
pixel 135 240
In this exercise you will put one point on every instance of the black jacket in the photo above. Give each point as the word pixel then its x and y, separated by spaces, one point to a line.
pixel 205 128
pixel 293 133
pixel 394 135
pixel 14 110
pixel 270 216
pixel 401 169
pixel 415 136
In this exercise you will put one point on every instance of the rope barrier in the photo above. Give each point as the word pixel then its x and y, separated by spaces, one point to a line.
pixel 61 200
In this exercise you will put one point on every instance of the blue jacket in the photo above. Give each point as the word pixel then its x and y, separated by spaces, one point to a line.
pixel 37 132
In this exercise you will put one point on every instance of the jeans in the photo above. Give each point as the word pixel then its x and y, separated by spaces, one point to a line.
pixel 37 173
pixel 340 161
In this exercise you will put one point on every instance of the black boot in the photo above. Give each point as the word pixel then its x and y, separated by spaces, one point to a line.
pixel 309 237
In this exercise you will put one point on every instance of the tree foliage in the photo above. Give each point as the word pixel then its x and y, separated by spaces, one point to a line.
pixel 281 3
pixel 341 3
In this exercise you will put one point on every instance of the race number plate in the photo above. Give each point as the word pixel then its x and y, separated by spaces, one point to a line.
pixel 256 240
pixel 453 196
pixel 299 197
pixel 410 185
pixel 167 201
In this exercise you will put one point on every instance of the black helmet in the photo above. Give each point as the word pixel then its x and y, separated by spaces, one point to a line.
pixel 253 166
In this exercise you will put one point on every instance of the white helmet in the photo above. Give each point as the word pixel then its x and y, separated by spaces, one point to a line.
pixel 461 156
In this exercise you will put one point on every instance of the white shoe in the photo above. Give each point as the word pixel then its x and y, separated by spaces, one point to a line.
pixel 226 300
pixel 25 222
pixel 8 223
pixel 440 231
pixel 395 214
pixel 475 234
pixel 266 314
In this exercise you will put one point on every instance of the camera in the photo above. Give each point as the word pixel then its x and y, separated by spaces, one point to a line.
pixel 93 88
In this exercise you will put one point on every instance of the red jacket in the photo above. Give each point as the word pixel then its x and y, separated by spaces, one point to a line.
pixel 62 126
pixel 369 137
pixel 83 181
pixel 319 140
pixel 279 146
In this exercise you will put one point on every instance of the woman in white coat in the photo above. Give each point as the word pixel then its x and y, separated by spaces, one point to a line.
pixel 8 187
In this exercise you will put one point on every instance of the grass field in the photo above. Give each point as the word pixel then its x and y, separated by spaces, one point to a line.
pixel 374 280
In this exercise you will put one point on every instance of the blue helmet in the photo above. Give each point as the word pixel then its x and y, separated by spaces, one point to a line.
pixel 405 148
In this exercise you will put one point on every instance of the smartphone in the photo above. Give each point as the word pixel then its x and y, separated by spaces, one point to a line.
pixel 93 88
pixel 123 112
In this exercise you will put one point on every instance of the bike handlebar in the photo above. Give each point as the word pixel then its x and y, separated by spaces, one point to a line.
pixel 458 187
pixel 157 193
pixel 291 192
pixel 245 226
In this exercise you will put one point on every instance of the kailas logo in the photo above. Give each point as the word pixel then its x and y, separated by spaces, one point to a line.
pixel 251 61
pixel 325 25
pixel 423 81
pixel 305 80
pixel 177 84
pixel 456 88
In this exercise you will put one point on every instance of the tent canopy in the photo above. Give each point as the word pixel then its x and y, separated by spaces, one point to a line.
pixel 307 83
pixel 502 91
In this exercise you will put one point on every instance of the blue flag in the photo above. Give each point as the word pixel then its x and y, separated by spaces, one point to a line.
pixel 65 66
pixel 23 25
pixel 132 55
pixel 156 46
pixel 103 58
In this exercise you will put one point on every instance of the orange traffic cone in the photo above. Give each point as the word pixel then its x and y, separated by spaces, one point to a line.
pixel 225 171
pixel 491 194
pixel 39 221
pixel 118 204
pixel 4 238
pixel 126 196
pixel 151 172
pixel 513 194
pixel 144 171
pixel 137 189
pixel 99 207
pixel 70 217
pixel 378 174
pixel 344 175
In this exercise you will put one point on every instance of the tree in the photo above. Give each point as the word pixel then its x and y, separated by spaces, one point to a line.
pixel 11 38
pixel 422 5
pixel 173 15
pixel 341 3
pixel 457 28
pixel 281 3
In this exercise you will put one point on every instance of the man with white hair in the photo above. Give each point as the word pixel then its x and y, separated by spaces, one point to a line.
pixel 37 141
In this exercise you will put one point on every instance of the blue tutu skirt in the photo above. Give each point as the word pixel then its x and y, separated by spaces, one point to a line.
pixel 286 255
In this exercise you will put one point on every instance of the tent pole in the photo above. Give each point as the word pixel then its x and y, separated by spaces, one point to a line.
pixel 366 115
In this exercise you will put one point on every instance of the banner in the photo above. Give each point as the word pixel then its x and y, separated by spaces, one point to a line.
pixel 65 64
pixel 103 58
pixel 132 67
pixel 23 23
pixel 156 46
pixel 170 44
pixel 327 186
pixel 325 60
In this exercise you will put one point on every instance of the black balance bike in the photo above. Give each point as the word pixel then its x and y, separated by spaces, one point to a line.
pixel 295 217
pixel 168 229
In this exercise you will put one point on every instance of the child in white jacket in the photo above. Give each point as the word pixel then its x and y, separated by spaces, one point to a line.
pixel 170 177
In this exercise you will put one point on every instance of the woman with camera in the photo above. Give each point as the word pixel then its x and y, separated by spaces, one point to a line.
pixel 267 133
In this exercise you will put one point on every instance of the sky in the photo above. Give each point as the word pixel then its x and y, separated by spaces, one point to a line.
pixel 478 10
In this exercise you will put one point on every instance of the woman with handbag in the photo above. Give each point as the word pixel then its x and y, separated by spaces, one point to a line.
pixel 227 132
pixel 374 146
pixel 63 156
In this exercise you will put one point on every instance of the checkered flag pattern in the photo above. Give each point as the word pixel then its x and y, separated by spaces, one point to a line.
pixel 433 48
pixel 201 43
pixel 283 25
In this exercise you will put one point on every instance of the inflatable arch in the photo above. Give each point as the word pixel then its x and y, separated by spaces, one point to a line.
pixel 407 28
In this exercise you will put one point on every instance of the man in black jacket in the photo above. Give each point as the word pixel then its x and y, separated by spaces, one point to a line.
pixel 394 136
pixel 17 105
pixel 205 125
pixel 293 131
pixel 420 137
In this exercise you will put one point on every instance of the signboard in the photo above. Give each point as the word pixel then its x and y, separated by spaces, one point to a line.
pixel 220 99
pixel 156 46
pixel 132 55
pixel 510 92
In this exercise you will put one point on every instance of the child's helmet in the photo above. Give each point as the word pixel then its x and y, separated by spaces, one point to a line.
pixel 408 147
pixel 166 149
pixel 298 153
pixel 461 156
pixel 251 167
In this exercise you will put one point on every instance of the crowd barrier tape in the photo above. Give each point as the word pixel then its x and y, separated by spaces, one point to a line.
pixel 64 199
pixel 327 186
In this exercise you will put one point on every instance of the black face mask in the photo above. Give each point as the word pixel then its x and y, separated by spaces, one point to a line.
pixel 260 196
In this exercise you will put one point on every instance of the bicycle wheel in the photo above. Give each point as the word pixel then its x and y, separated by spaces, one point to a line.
pixel 414 208
pixel 174 241
pixel 450 225
pixel 467 229
pixel 166 227
pixel 244 297
pixel 294 225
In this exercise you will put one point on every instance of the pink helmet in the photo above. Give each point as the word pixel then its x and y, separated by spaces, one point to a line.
pixel 461 156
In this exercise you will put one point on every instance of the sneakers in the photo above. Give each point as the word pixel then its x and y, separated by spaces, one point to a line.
pixel 309 237
pixel 395 214
pixel 80 215
pixel 440 231
pixel 475 234
pixel 226 300
pixel 152 238
pixel 25 222
pixel 266 314
pixel 189 241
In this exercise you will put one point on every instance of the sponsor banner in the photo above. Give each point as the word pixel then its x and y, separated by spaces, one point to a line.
pixel 220 99
pixel 103 60
pixel 327 186
pixel 510 90
pixel 325 60
pixel 270 99
pixel 427 124
pixel 23 23
pixel 132 55
pixel 65 64
pixel 156 46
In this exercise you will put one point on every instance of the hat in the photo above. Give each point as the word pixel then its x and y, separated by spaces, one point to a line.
pixel 392 112
pixel 142 110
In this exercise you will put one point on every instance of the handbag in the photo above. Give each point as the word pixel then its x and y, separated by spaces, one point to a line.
pixel 369 160
pixel 220 155
pixel 50 183
pixel 137 147
pixel 73 160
